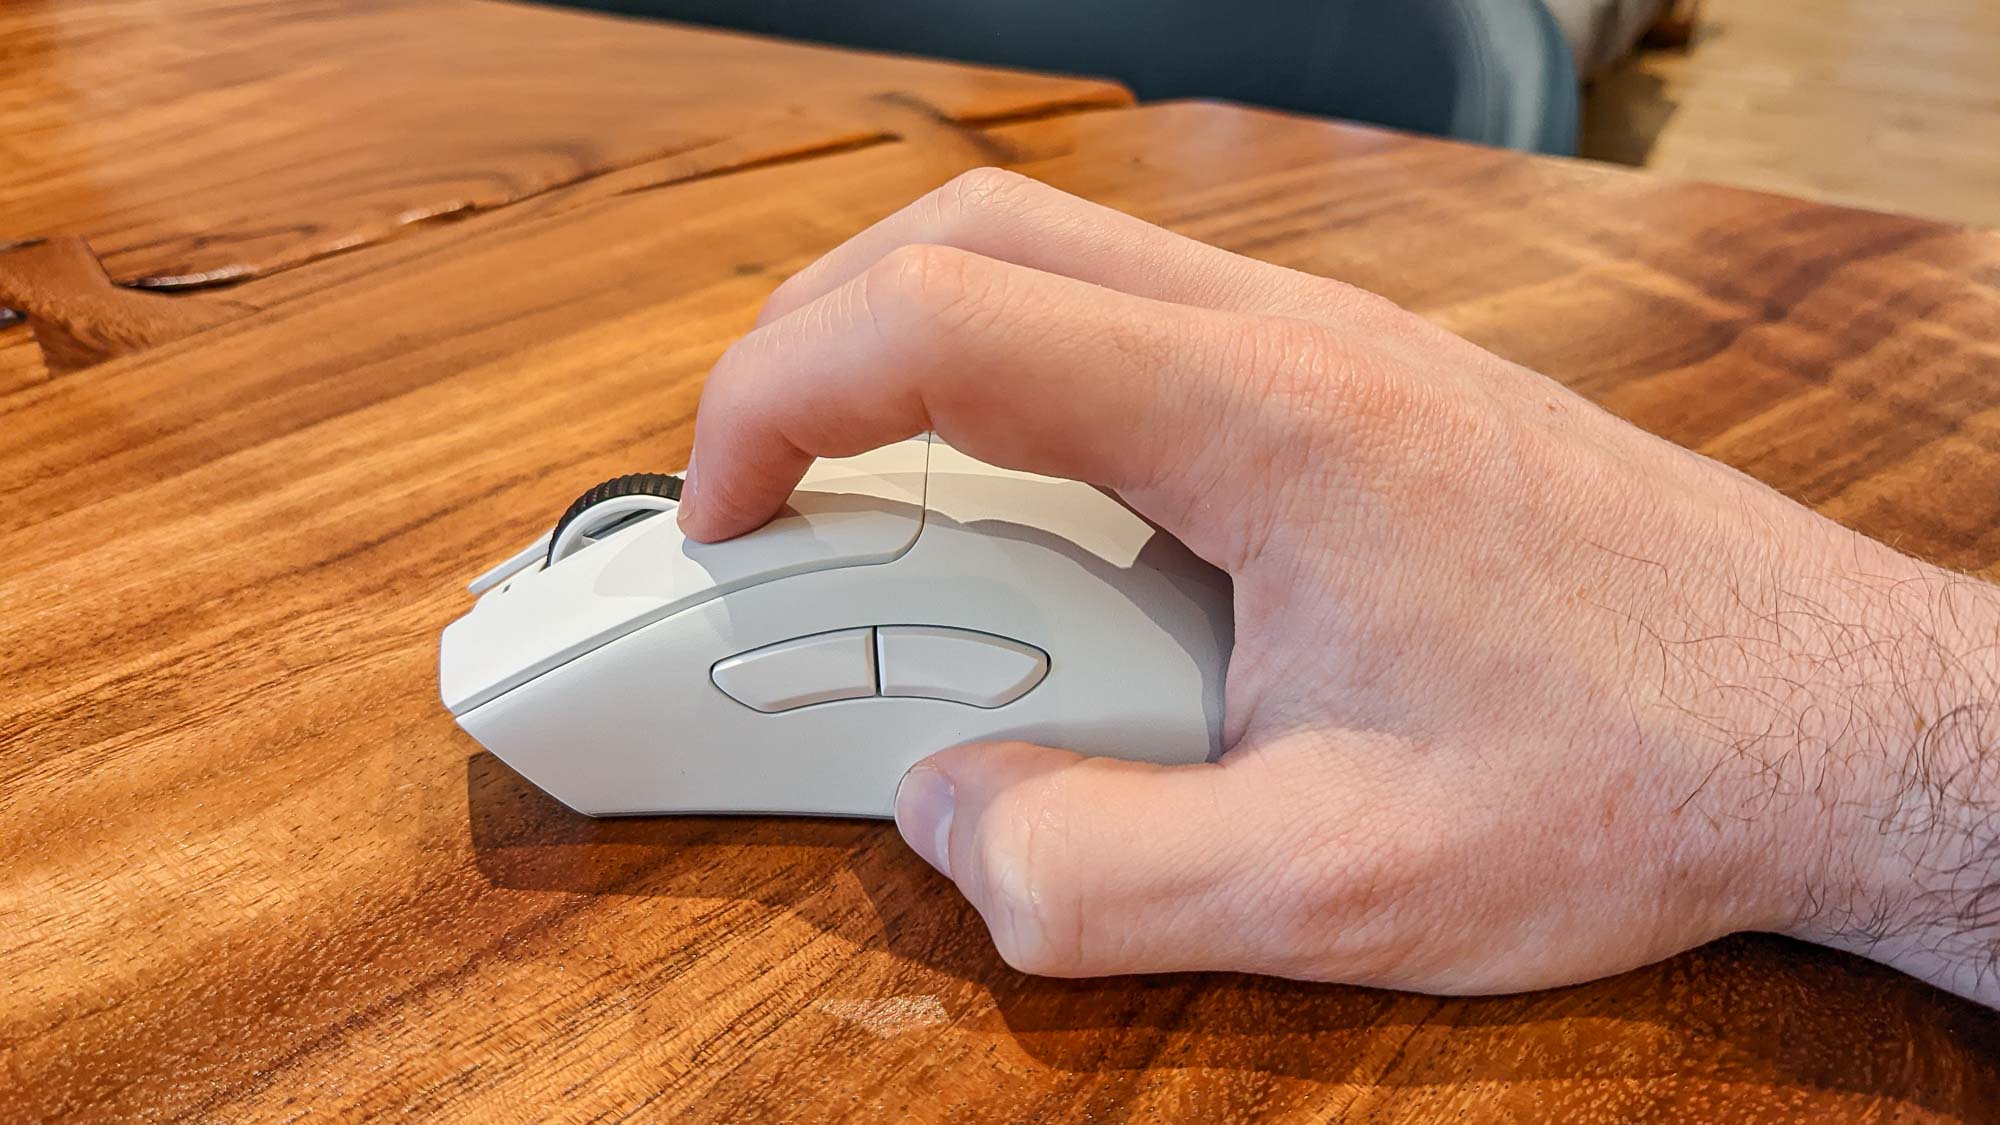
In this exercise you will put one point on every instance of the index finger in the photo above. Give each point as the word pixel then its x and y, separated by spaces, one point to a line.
pixel 1020 368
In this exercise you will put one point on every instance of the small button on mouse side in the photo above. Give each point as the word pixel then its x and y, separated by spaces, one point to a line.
pixel 790 674
pixel 959 665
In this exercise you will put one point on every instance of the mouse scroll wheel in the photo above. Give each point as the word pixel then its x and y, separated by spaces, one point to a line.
pixel 612 502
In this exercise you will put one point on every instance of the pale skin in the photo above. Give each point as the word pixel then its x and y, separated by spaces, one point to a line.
pixel 1521 695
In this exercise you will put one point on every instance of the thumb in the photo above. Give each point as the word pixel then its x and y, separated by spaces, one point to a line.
pixel 1094 866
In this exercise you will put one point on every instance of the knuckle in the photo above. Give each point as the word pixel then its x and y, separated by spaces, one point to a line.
pixel 1031 903
pixel 789 295
pixel 1365 305
pixel 1313 381
pixel 1290 375
pixel 1331 299
pixel 981 190
pixel 921 278
pixel 926 290
pixel 732 375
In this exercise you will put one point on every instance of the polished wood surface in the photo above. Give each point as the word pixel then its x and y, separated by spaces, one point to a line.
pixel 193 143
pixel 254 872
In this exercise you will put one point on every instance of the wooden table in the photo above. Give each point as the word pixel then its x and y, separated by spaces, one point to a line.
pixel 253 871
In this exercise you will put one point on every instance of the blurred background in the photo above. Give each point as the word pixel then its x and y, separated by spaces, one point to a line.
pixel 1891 104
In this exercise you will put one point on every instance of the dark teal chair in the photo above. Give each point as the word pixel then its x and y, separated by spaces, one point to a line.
pixel 1497 72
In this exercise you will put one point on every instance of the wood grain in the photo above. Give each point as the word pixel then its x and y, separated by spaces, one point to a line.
pixel 78 317
pixel 204 142
pixel 255 871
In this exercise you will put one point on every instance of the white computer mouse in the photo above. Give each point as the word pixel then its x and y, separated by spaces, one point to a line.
pixel 907 600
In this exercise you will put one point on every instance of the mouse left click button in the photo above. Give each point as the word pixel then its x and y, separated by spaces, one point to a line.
pixel 790 674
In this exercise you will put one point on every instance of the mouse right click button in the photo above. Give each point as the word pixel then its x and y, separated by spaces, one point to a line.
pixel 957 665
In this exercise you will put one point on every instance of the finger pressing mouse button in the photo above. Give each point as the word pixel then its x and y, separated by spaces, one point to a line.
pixel 959 665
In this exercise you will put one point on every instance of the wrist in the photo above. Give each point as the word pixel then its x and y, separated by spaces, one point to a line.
pixel 1836 706
pixel 1895 852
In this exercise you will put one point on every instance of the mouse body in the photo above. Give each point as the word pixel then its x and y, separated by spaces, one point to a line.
pixel 908 599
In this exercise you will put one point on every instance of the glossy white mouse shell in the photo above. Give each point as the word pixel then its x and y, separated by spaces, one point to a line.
pixel 596 677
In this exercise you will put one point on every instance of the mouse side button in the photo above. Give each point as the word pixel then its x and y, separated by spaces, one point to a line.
pixel 958 665
pixel 799 673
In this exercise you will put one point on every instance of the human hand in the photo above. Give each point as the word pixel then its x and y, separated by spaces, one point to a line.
pixel 1521 695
